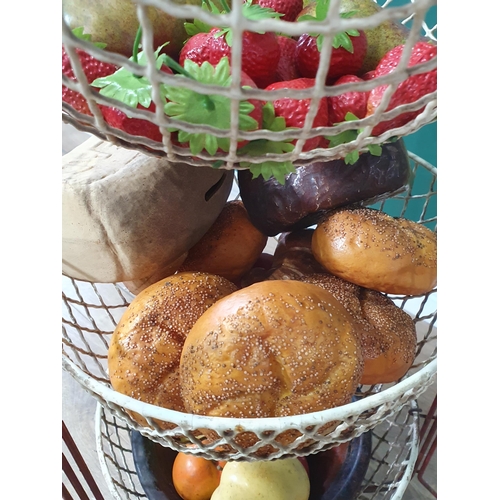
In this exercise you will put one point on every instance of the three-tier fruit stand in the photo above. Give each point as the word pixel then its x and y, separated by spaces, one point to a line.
pixel 91 310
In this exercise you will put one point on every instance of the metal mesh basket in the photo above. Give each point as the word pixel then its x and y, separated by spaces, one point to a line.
pixel 412 15
pixel 392 461
pixel 92 310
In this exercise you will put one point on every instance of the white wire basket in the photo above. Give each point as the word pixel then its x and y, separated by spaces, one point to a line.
pixel 91 312
pixel 394 451
pixel 412 15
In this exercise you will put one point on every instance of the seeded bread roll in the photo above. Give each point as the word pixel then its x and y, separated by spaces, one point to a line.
pixel 273 349
pixel 387 333
pixel 376 251
pixel 144 352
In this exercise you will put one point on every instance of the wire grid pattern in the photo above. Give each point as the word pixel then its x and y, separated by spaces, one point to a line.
pixel 413 13
pixel 91 312
pixel 393 456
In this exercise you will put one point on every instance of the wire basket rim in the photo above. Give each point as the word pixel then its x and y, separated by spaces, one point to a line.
pixel 424 375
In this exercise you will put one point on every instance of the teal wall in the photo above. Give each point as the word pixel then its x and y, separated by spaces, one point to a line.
pixel 423 143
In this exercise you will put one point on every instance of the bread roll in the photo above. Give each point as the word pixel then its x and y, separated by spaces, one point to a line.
pixel 275 348
pixel 377 251
pixel 230 247
pixel 387 333
pixel 145 348
pixel 293 256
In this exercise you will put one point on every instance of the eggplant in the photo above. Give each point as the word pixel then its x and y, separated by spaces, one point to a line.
pixel 317 188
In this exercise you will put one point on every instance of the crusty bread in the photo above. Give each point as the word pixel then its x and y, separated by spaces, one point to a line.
pixel 376 251
pixel 144 352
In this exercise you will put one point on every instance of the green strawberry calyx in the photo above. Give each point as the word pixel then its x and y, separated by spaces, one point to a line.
pixel 342 39
pixel 350 136
pixel 270 168
pixel 127 87
pixel 251 11
pixel 197 26
pixel 215 110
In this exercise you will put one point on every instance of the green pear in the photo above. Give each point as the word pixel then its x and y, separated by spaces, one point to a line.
pixel 284 479
pixel 115 23
pixel 381 39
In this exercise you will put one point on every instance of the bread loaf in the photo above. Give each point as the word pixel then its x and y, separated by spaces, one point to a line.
pixel 128 216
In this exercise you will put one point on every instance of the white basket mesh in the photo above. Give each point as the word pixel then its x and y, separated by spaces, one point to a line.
pixel 412 14
pixel 92 310
pixel 392 461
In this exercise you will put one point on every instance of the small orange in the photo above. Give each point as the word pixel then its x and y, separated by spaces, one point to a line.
pixel 194 478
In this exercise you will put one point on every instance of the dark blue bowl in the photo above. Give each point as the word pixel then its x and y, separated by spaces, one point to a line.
pixel 153 463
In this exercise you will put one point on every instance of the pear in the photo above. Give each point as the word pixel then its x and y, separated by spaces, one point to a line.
pixel 381 39
pixel 115 23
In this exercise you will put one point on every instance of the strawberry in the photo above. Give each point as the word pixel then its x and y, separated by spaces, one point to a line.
pixel 133 126
pixel 369 75
pixel 343 61
pixel 260 51
pixel 348 102
pixel 294 111
pixel 286 69
pixel 409 90
pixel 92 67
pixel 348 48
pixel 289 8
pixel 134 91
pixel 196 48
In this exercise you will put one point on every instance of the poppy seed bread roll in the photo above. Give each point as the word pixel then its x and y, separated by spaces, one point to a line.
pixel 387 333
pixel 374 250
pixel 275 348
pixel 145 348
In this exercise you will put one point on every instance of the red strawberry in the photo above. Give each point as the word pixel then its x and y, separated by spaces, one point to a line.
pixel 289 8
pixel 409 90
pixel 342 61
pixel 369 75
pixel 294 111
pixel 348 102
pixel 133 126
pixel 196 49
pixel 260 53
pixel 93 68
pixel 286 65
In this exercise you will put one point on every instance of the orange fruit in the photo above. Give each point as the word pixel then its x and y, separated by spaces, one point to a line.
pixel 194 478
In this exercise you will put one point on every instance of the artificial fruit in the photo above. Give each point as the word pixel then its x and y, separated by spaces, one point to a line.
pixel 115 23
pixel 284 479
